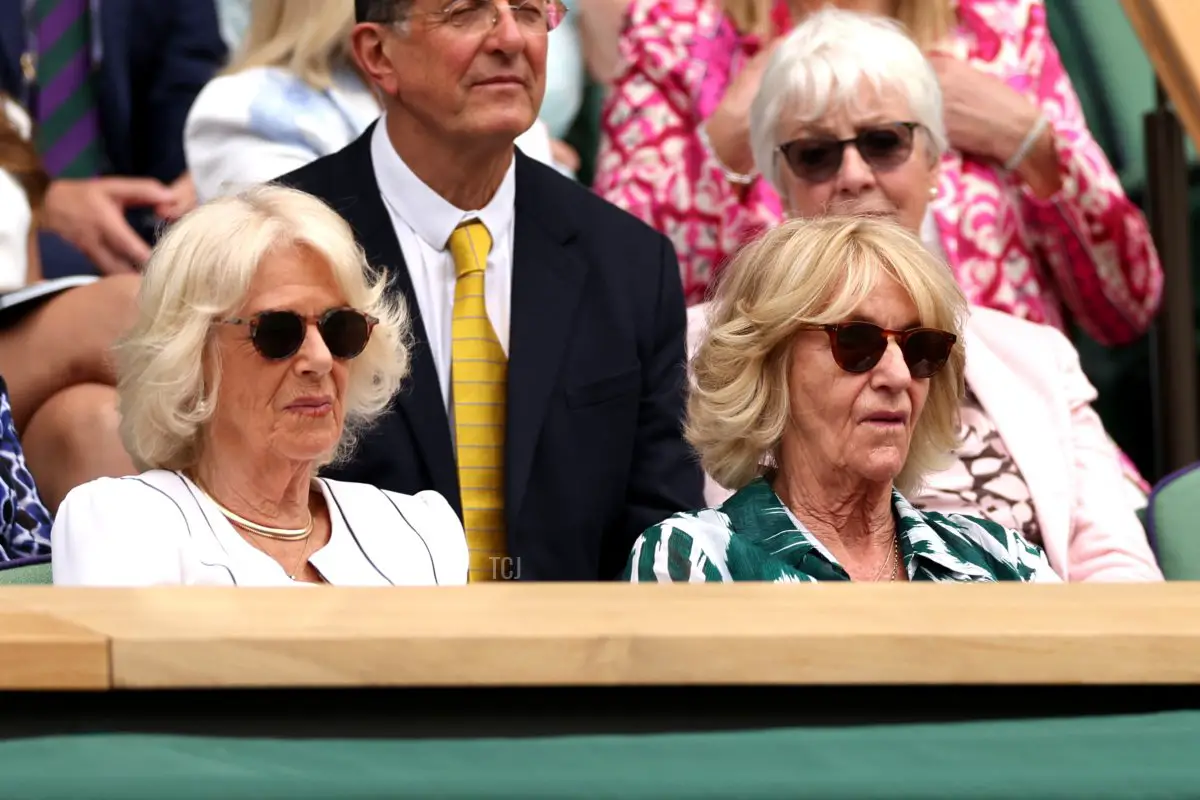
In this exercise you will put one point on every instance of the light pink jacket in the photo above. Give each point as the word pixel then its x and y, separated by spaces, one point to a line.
pixel 1028 378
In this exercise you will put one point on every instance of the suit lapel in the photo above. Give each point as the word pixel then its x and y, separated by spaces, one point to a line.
pixel 1019 406
pixel 420 399
pixel 112 83
pixel 548 281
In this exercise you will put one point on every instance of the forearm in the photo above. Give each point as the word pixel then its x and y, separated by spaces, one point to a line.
pixel 1095 244
pixel 1034 161
pixel 33 268
pixel 600 23
pixel 1040 170
pixel 1087 234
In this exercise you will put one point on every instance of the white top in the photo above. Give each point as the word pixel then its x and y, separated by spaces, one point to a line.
pixel 158 529
pixel 16 217
pixel 930 234
pixel 261 123
pixel 423 221
pixel 566 75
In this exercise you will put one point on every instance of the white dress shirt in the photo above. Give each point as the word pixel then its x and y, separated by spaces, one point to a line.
pixel 160 529
pixel 423 221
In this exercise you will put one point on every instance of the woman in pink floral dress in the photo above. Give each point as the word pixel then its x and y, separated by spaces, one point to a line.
pixel 1030 215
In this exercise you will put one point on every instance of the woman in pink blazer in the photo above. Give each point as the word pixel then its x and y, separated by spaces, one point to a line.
pixel 1030 215
pixel 1034 456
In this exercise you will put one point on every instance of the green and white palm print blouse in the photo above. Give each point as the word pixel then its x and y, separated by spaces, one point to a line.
pixel 753 537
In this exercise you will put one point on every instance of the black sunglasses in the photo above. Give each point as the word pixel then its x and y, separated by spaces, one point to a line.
pixel 858 346
pixel 277 335
pixel 816 159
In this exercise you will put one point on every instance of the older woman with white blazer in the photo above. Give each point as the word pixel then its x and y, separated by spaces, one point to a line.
pixel 837 133
pixel 291 96
pixel 265 345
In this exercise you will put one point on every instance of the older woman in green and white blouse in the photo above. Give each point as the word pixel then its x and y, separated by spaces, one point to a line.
pixel 827 386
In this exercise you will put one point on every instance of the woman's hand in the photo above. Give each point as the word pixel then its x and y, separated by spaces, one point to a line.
pixel 728 127
pixel 600 23
pixel 90 214
pixel 987 117
pixel 984 116
pixel 564 155
pixel 182 200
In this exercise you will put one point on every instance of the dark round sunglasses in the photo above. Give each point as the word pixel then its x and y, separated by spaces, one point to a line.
pixel 277 335
pixel 817 159
pixel 858 346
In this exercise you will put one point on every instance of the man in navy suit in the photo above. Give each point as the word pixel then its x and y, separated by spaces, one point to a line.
pixel 511 273
pixel 109 84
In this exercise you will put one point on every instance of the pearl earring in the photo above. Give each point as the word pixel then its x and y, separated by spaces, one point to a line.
pixel 933 192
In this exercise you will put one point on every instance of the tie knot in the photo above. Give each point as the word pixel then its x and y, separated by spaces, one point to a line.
pixel 470 244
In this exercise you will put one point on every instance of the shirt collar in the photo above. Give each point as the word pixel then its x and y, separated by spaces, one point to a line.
pixel 756 513
pixel 922 540
pixel 431 216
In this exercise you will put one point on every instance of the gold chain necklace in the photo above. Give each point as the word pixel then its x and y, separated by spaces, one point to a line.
pixel 893 560
pixel 884 566
pixel 281 534
pixel 301 564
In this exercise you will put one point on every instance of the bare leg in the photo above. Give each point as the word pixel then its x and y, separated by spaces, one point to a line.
pixel 68 340
pixel 73 439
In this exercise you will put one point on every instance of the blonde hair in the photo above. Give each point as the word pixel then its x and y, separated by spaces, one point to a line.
pixel 306 37
pixel 926 21
pixel 200 272
pixel 811 272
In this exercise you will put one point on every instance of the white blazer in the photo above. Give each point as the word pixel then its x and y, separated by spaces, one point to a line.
pixel 158 528
pixel 1029 380
pixel 260 124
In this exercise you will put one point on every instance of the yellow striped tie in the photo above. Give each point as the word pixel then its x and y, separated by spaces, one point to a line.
pixel 479 371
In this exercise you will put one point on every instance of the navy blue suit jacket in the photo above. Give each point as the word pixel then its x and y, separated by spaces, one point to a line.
pixel 157 55
pixel 594 451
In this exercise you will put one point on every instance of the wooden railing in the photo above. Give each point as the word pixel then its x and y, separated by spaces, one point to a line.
pixel 1170 33
pixel 599 635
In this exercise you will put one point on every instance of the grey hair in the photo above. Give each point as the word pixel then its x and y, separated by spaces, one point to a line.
pixel 822 65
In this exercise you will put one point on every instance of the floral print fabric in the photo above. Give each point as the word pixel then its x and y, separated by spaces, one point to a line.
pixel 1085 252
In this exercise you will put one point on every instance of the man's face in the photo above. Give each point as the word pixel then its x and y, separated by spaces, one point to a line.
pixel 469 69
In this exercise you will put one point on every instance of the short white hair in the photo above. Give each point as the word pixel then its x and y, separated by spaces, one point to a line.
pixel 823 64
pixel 200 272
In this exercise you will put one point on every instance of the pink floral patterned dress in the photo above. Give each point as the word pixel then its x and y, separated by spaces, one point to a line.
pixel 1084 252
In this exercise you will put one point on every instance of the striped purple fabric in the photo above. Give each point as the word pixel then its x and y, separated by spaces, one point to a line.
pixel 68 135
